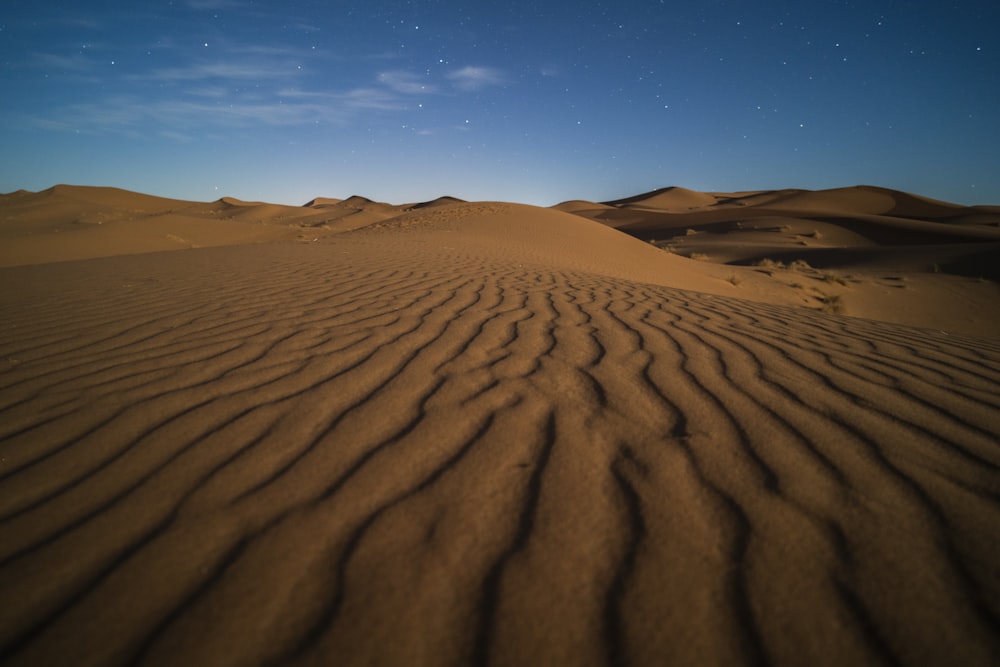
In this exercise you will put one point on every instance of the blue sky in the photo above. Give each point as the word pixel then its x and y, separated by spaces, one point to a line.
pixel 537 102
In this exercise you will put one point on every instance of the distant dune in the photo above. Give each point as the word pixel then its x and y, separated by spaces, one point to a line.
pixel 323 201
pixel 868 251
pixel 677 428
pixel 672 198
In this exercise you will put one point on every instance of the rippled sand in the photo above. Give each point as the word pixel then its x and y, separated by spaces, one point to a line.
pixel 477 434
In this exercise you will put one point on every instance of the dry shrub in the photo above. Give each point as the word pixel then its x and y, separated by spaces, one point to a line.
pixel 833 304
pixel 769 264
pixel 831 277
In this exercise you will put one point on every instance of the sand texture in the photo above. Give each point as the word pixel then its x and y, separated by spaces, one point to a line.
pixel 478 433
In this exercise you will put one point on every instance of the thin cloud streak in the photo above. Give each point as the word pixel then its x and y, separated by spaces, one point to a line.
pixel 475 78
pixel 268 87
pixel 232 71
pixel 289 108
pixel 406 83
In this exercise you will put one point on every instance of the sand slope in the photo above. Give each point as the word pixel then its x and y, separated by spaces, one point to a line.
pixel 76 222
pixel 871 252
pixel 482 433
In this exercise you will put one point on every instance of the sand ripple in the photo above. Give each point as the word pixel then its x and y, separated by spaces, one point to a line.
pixel 356 453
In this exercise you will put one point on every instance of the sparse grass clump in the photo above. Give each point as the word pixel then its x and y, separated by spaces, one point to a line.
pixel 698 255
pixel 830 277
pixel 799 265
pixel 770 264
pixel 734 280
pixel 832 304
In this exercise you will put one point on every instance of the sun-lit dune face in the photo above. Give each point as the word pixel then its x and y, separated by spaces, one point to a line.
pixel 485 432
pixel 669 199
pixel 864 251
pixel 73 222
pixel 319 202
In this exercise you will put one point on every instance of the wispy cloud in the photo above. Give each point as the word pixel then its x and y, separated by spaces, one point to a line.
pixel 303 26
pixel 250 86
pixel 210 92
pixel 130 114
pixel 372 99
pixel 205 108
pixel 86 23
pixel 237 71
pixel 272 51
pixel 474 78
pixel 406 83
pixel 76 63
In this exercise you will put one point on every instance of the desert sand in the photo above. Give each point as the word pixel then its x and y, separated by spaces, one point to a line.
pixel 681 428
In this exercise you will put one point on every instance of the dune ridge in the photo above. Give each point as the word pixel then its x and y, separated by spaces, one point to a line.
pixel 854 254
pixel 480 433
pixel 882 253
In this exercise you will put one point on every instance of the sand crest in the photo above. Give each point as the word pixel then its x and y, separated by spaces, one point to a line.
pixel 482 433
pixel 865 251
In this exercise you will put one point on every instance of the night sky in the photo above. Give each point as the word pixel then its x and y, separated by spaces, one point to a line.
pixel 536 102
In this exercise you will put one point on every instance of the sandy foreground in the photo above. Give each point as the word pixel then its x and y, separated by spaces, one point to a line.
pixel 684 428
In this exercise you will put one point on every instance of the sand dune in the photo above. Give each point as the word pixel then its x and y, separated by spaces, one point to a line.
pixel 668 199
pixel 74 222
pixel 323 201
pixel 878 253
pixel 68 222
pixel 482 433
